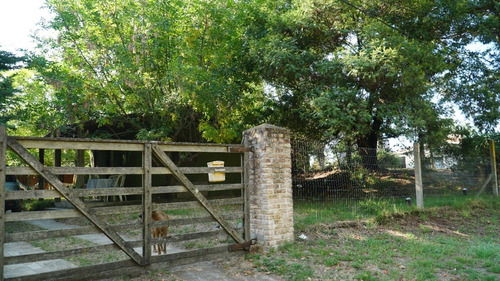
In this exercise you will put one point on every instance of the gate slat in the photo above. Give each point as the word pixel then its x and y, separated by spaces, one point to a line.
pixel 3 160
pixel 147 157
pixel 74 200
pixel 196 193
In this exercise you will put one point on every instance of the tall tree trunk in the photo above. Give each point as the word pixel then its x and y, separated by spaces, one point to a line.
pixel 57 163
pixel 41 158
pixel 80 162
pixel 367 146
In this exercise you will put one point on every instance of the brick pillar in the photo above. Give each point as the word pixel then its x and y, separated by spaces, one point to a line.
pixel 270 185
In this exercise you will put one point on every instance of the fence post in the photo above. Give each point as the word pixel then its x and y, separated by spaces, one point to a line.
pixel 147 202
pixel 245 160
pixel 494 168
pixel 270 185
pixel 3 160
pixel 418 176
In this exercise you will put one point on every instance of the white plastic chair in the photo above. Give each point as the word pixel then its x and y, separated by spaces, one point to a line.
pixel 119 181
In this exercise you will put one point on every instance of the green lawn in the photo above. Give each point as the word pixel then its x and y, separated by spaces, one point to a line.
pixel 460 240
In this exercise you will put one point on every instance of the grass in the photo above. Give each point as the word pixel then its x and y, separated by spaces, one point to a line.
pixel 19 226
pixel 71 242
pixel 37 205
pixel 457 242
pixel 97 258
pixel 62 243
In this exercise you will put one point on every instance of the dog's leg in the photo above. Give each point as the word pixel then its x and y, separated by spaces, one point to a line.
pixel 154 232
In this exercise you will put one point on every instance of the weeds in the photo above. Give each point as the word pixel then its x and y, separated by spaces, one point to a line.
pixel 459 241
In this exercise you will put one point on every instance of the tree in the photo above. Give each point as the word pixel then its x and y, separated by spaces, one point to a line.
pixel 171 70
pixel 8 61
pixel 364 70
pixel 476 84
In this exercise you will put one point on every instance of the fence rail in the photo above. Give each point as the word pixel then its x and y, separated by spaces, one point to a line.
pixel 147 187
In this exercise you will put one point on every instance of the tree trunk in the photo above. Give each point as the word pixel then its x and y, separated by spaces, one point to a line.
pixel 80 162
pixel 367 146
pixel 41 158
pixel 57 163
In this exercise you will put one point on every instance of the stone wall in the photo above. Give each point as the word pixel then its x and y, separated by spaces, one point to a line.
pixel 270 185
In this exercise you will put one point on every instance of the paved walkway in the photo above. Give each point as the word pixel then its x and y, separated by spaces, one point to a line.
pixel 22 269
pixel 201 271
pixel 23 248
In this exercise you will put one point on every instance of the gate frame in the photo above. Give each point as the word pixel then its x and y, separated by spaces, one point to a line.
pixel 146 261
pixel 265 169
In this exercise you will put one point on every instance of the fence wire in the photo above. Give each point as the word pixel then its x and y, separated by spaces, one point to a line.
pixel 328 176
pixel 325 174
pixel 456 176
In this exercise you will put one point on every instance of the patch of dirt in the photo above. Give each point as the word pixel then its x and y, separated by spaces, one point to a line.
pixel 237 266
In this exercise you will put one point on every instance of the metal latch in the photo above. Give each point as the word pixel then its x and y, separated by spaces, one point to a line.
pixel 245 245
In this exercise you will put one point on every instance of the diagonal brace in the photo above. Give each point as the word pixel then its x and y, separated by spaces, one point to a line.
pixel 165 160
pixel 73 199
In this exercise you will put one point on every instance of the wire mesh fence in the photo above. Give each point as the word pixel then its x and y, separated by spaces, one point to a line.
pixel 447 177
pixel 330 176
pixel 364 181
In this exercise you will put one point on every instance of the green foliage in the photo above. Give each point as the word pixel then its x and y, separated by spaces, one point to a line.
pixel 207 70
pixel 387 159
pixel 346 71
pixel 8 61
pixel 37 205
pixel 374 207
pixel 168 70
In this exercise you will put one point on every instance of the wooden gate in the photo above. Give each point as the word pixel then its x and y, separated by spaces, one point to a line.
pixel 205 218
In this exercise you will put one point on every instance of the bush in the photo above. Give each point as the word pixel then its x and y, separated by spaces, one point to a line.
pixel 38 205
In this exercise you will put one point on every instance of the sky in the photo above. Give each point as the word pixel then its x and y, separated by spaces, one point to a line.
pixel 18 21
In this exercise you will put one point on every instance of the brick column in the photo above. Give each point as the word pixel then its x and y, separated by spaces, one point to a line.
pixel 270 185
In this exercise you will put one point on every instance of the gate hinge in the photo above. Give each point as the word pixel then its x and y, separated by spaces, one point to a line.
pixel 239 149
pixel 240 246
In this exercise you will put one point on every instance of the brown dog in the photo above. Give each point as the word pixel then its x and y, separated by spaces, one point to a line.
pixel 160 231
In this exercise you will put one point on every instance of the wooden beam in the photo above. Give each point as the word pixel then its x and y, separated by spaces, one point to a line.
pixel 101 211
pixel 59 254
pixel 124 145
pixel 147 203
pixel 165 160
pixel 74 200
pixel 45 234
pixel 3 160
pixel 114 170
pixel 196 204
pixel 209 187
pixel 127 267
pixel 187 236
pixel 483 187
pixel 419 189
pixel 494 168
pixel 239 149
pixel 34 194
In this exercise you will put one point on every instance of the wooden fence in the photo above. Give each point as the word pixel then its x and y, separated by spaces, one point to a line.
pixel 205 218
